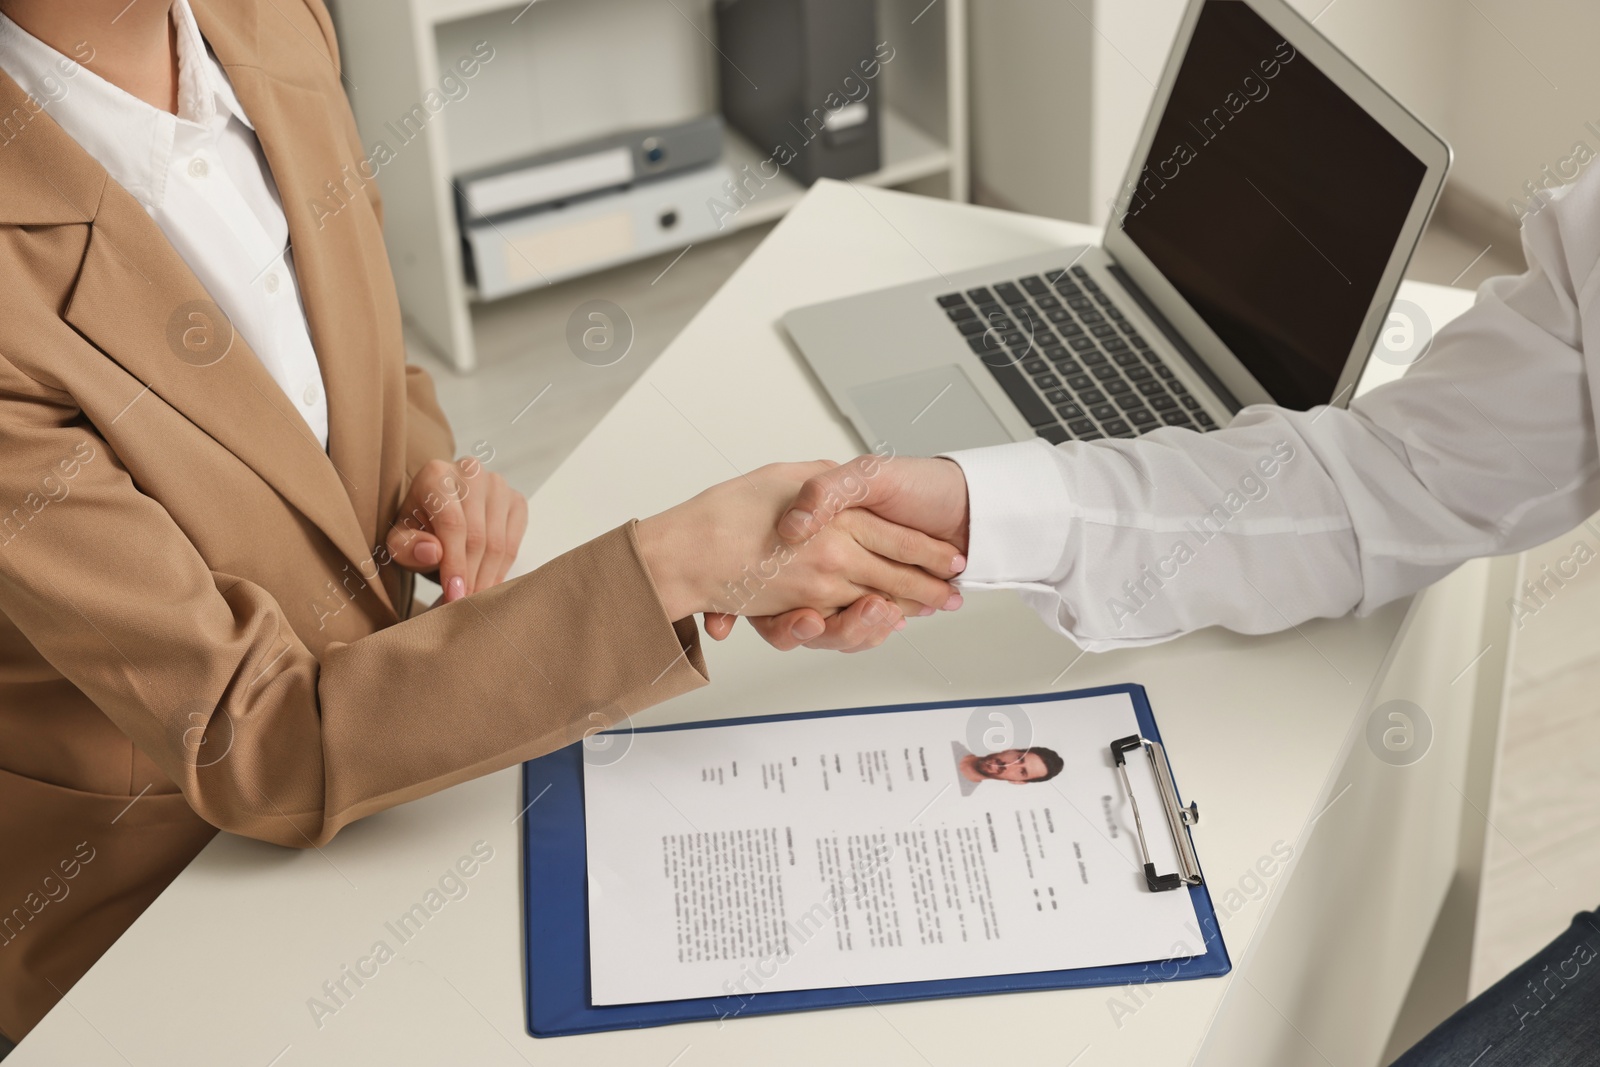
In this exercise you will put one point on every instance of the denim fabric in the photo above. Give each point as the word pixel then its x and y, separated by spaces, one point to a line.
pixel 1546 1013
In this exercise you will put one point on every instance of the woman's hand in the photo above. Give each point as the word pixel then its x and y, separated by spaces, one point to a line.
pixel 924 494
pixel 720 553
pixel 461 520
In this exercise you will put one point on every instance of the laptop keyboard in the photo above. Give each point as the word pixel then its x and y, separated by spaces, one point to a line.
pixel 1073 365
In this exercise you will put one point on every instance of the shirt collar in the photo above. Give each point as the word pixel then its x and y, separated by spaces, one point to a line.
pixel 130 138
pixel 203 87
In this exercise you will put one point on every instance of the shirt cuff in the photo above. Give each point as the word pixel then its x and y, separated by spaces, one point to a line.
pixel 1017 510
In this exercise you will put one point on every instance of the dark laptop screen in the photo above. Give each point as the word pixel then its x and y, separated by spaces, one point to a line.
pixel 1271 201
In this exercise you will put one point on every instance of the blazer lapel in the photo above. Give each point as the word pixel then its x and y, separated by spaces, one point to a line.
pixel 139 303
pixel 303 148
pixel 307 152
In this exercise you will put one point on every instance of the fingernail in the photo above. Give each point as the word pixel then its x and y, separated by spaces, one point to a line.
pixel 456 589
pixel 953 603
pixel 901 625
pixel 958 564
pixel 926 609
pixel 428 553
pixel 806 629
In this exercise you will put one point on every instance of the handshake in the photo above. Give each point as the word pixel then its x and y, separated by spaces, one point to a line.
pixel 816 554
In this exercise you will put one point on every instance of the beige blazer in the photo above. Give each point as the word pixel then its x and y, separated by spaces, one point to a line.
pixel 198 626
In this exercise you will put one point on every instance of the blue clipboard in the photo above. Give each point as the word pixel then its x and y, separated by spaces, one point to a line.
pixel 556 908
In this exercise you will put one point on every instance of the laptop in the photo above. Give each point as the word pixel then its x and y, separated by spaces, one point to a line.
pixel 1272 203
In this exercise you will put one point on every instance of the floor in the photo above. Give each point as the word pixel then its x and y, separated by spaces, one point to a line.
pixel 1543 861
pixel 533 399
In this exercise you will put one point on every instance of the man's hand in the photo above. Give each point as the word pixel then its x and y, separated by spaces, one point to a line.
pixel 719 552
pixel 924 494
pixel 462 520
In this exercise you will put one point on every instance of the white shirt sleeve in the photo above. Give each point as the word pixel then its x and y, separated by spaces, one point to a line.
pixel 1486 446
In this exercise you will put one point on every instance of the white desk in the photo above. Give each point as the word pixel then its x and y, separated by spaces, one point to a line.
pixel 1267 734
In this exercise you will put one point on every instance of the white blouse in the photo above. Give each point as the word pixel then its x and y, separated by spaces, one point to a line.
pixel 203 178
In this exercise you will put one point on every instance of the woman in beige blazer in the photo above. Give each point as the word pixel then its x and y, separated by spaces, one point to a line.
pixel 206 620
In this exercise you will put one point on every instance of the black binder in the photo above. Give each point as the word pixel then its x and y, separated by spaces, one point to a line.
pixel 786 67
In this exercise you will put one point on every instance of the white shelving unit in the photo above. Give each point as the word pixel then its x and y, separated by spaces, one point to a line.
pixel 563 71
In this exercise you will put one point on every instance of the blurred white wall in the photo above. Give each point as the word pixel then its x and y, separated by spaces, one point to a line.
pixel 1510 83
pixel 1527 84
pixel 1032 74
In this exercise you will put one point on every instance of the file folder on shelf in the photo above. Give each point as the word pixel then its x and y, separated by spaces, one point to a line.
pixel 556 914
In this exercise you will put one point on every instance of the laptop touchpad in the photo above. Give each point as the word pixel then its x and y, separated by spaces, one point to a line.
pixel 928 412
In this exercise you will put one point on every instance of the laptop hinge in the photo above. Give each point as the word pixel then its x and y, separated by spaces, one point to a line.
pixel 1174 338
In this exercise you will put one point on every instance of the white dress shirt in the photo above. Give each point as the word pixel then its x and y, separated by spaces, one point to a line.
pixel 1488 445
pixel 204 180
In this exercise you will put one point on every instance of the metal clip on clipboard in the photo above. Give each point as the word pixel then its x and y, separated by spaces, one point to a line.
pixel 1179 818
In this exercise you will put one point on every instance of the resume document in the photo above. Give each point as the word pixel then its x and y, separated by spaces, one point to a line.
pixel 860 849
